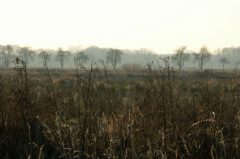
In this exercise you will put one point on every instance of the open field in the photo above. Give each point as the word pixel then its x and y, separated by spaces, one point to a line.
pixel 96 113
pixel 120 79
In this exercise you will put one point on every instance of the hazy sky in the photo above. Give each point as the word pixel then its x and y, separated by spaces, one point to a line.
pixel 161 25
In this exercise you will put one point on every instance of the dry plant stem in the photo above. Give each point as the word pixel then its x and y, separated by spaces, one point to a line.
pixel 56 109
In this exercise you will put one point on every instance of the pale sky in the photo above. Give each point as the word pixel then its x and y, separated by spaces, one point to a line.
pixel 160 25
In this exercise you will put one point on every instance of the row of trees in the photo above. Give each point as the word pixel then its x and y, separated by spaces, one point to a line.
pixel 9 52
pixel 113 56
pixel 182 55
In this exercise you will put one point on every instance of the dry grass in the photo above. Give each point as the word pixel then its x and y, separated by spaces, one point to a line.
pixel 89 115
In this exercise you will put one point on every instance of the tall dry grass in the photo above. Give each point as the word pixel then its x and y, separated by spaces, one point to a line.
pixel 90 115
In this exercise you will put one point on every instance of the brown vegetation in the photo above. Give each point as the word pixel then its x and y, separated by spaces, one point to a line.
pixel 56 115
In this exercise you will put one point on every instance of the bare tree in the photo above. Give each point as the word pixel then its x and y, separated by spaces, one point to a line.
pixel 44 55
pixel 237 63
pixel 202 57
pixel 62 56
pixel 7 54
pixel 224 61
pixel 1 53
pixel 180 57
pixel 80 58
pixel 114 57
pixel 26 54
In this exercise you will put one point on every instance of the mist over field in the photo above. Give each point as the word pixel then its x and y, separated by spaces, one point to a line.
pixel 119 79
pixel 129 58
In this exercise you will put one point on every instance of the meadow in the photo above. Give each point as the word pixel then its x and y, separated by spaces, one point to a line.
pixel 100 113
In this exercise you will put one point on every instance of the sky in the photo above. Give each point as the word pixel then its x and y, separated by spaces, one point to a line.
pixel 160 25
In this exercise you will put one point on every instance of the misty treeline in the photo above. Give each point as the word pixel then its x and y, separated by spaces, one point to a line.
pixel 181 58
